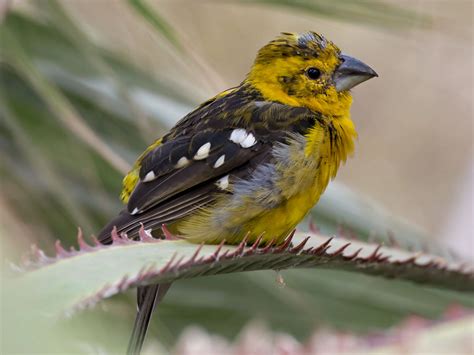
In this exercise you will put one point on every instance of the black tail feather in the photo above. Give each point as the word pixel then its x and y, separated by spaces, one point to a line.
pixel 147 296
pixel 147 299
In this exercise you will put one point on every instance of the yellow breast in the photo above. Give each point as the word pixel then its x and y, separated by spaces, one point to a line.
pixel 299 177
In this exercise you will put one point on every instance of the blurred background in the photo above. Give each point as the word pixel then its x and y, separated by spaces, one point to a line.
pixel 87 85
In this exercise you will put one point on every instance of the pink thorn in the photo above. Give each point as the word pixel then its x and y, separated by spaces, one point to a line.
pixel 299 247
pixel 168 235
pixel 254 246
pixel 374 256
pixel 178 263
pixel 257 242
pixel 39 254
pixel 268 247
pixel 145 236
pixel 60 251
pixel 194 256
pixel 215 255
pixel 83 246
pixel 353 256
pixel 124 238
pixel 286 243
pixel 323 247
pixel 95 241
pixel 410 260
pixel 340 250
pixel 115 237
pixel 313 228
pixel 241 246
pixel 122 285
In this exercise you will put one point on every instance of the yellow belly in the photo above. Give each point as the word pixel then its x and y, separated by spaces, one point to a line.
pixel 277 223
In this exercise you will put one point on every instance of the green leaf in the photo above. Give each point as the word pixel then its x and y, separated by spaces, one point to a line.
pixel 78 279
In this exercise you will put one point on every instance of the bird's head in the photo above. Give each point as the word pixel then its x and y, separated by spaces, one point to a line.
pixel 307 70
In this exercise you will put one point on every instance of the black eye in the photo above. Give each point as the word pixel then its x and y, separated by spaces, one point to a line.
pixel 313 73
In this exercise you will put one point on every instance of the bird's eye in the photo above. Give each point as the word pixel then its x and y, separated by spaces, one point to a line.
pixel 313 73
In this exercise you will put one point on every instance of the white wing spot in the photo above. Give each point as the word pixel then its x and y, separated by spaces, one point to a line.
pixel 238 135
pixel 148 232
pixel 182 162
pixel 203 151
pixel 135 211
pixel 150 176
pixel 248 141
pixel 219 161
pixel 223 182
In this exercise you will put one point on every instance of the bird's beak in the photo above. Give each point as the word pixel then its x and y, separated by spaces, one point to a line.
pixel 351 72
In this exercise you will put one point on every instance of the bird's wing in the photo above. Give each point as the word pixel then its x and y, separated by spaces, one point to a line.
pixel 188 169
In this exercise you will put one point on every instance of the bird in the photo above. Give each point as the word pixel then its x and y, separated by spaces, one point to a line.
pixel 249 162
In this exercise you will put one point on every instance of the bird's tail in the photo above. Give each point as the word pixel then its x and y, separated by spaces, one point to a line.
pixel 148 297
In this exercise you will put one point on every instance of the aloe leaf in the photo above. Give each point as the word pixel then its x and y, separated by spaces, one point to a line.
pixel 78 279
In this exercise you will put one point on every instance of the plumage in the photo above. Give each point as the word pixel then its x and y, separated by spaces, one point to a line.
pixel 252 160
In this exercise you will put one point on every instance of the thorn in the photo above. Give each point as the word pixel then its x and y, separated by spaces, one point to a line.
pixel 39 254
pixel 122 285
pixel 169 263
pixel 83 246
pixel 268 247
pixel 286 243
pixel 124 239
pixel 411 260
pixel 60 251
pixel 194 256
pixel 257 242
pixel 168 235
pixel 215 255
pixel 353 256
pixel 374 256
pixel 322 248
pixel 241 246
pixel 179 263
pixel 145 235
pixel 114 235
pixel 299 247
pixel 95 241
pixel 340 250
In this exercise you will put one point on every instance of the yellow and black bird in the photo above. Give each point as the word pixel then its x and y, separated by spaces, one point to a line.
pixel 253 159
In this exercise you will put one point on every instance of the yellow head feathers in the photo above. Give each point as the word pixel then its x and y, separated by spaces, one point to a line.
pixel 297 70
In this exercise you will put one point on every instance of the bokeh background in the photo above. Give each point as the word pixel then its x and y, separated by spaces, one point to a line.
pixel 85 85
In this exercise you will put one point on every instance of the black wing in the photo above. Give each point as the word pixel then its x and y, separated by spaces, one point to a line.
pixel 226 137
